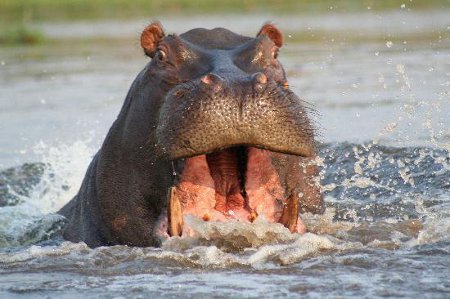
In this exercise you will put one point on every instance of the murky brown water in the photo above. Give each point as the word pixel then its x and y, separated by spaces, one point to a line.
pixel 381 83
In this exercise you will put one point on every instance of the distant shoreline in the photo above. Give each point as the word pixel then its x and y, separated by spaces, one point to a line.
pixel 16 11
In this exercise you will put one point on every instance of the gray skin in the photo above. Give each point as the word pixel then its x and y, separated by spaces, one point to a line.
pixel 203 91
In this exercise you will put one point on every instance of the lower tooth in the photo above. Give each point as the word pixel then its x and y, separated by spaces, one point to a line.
pixel 252 217
pixel 175 214
pixel 289 217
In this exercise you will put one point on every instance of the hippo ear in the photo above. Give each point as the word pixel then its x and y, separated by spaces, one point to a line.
pixel 273 33
pixel 150 38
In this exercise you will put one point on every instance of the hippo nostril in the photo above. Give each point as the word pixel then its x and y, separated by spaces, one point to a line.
pixel 211 78
pixel 259 78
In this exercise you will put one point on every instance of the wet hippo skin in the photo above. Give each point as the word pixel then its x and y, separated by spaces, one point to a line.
pixel 209 128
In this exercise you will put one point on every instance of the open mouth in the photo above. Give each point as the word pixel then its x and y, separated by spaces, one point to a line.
pixel 235 183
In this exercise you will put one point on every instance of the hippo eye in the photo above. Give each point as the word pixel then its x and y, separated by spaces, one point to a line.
pixel 161 55
pixel 275 53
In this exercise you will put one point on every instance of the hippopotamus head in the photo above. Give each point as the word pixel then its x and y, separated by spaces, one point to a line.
pixel 210 128
pixel 230 124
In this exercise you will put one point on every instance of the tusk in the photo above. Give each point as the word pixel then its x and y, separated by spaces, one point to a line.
pixel 289 217
pixel 175 215
pixel 252 217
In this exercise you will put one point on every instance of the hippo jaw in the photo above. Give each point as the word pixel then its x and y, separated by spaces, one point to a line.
pixel 224 139
pixel 235 183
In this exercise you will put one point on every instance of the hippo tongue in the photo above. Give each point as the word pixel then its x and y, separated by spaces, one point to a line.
pixel 227 169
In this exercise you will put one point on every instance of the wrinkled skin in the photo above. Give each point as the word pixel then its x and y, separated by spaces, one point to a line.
pixel 208 128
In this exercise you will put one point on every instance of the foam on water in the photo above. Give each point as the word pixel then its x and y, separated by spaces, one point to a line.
pixel 436 225
pixel 212 244
pixel 254 244
pixel 235 244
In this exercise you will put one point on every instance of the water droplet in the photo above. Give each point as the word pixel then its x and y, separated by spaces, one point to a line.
pixel 400 68
pixel 2 63
pixel 389 44
pixel 403 5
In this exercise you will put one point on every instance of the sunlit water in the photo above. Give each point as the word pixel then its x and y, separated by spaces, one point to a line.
pixel 384 114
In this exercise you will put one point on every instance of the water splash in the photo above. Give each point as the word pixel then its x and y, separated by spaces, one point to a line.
pixel 65 166
pixel 29 218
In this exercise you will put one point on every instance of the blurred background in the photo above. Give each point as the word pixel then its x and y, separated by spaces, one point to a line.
pixel 375 70
pixel 38 10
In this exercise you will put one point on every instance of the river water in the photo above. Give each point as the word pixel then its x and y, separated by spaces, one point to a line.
pixel 381 85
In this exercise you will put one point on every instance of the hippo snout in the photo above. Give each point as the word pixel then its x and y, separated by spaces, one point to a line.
pixel 215 81
pixel 214 113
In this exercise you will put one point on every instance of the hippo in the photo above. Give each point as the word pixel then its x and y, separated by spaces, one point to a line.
pixel 209 128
